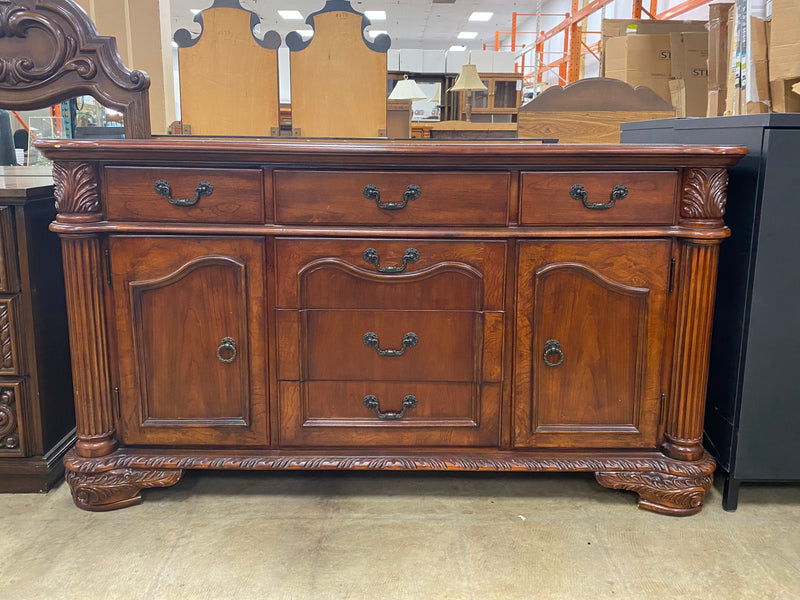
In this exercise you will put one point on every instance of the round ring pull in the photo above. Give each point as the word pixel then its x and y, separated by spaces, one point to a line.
pixel 553 348
pixel 204 188
pixel 578 192
pixel 227 347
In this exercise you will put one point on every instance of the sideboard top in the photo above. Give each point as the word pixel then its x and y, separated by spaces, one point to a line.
pixel 500 153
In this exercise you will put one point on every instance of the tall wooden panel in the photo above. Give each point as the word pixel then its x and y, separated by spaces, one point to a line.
pixel 228 77
pixel 338 77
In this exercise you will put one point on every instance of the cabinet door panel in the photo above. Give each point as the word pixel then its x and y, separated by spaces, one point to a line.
pixel 591 335
pixel 190 318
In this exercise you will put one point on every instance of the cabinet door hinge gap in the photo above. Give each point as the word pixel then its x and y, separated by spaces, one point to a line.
pixel 108 267
pixel 661 410
pixel 116 401
pixel 671 287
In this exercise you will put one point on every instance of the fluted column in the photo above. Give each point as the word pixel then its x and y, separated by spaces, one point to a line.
pixel 77 202
pixel 702 208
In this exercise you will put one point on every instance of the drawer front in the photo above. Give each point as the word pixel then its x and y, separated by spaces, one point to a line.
pixel 12 407
pixel 382 413
pixel 406 274
pixel 10 359
pixel 391 198
pixel 184 195
pixel 392 345
pixel 9 280
pixel 598 198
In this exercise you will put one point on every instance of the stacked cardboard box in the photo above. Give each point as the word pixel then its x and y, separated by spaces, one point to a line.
pixel 784 55
pixel 669 57
pixel 718 56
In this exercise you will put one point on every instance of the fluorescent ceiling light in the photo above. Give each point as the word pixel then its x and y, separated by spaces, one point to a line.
pixel 291 15
pixel 481 16
pixel 467 35
pixel 457 48
pixel 376 32
pixel 306 32
pixel 194 11
pixel 375 15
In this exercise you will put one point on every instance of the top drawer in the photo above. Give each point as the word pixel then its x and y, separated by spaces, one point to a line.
pixel 189 195
pixel 598 198
pixel 391 197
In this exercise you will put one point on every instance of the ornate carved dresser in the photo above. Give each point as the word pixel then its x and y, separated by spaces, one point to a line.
pixel 37 423
pixel 307 304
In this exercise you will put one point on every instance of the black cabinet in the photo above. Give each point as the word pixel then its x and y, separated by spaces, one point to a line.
pixel 752 423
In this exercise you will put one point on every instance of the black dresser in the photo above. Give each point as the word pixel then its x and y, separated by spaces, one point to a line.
pixel 752 423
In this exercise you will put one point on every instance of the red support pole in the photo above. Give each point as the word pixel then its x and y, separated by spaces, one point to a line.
pixel 513 31
pixel 497 41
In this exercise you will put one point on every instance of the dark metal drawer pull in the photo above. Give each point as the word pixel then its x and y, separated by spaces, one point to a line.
pixel 409 340
pixel 553 347
pixel 228 346
pixel 578 192
pixel 371 256
pixel 371 192
pixel 371 402
pixel 204 188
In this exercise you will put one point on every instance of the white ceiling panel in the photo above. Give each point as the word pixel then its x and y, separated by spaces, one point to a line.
pixel 410 23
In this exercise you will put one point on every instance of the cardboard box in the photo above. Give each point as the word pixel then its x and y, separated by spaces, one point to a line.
pixel 784 98
pixel 689 64
pixel 758 82
pixel 784 42
pixel 718 58
pixel 613 28
pixel 641 60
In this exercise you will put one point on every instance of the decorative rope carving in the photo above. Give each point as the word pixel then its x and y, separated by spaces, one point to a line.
pixel 6 346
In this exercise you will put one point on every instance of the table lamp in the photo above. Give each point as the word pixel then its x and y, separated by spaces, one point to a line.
pixel 468 81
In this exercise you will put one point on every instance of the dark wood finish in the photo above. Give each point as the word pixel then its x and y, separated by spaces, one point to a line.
pixel 445 198
pixel 37 422
pixel 132 196
pixel 629 302
pixel 606 305
pixel 202 290
pixel 51 52
pixel 546 198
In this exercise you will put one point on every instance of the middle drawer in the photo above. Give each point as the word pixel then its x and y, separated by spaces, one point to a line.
pixel 391 197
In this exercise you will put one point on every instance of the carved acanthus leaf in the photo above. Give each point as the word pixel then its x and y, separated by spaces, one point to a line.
pixel 76 188
pixel 704 194
pixel 668 493
pixel 8 420
pixel 116 488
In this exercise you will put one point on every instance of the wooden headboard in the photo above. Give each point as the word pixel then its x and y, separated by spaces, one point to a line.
pixel 589 111
pixel 338 78
pixel 228 76
pixel 50 52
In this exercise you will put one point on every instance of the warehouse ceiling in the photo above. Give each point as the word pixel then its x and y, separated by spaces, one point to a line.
pixel 425 24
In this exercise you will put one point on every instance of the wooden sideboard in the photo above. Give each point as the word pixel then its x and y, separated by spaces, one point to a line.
pixel 293 304
pixel 37 422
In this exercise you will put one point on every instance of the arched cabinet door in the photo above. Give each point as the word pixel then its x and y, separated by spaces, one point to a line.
pixel 190 336
pixel 591 332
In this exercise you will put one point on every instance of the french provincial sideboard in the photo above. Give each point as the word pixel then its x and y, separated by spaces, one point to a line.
pixel 311 304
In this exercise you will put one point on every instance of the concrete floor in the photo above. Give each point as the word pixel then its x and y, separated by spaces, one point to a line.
pixel 378 536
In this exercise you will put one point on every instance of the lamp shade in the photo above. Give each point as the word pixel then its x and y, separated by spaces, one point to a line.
pixel 437 96
pixel 407 89
pixel 468 80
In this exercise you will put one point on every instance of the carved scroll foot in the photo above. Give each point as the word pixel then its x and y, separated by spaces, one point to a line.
pixel 664 493
pixel 118 488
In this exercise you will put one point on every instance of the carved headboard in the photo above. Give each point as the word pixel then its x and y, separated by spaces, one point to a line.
pixel 50 51
pixel 589 111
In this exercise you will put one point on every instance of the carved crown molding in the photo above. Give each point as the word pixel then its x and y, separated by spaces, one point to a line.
pixel 71 51
pixel 704 194
pixel 270 41
pixel 76 188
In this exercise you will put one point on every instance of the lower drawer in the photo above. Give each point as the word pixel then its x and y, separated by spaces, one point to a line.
pixel 12 406
pixel 388 413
